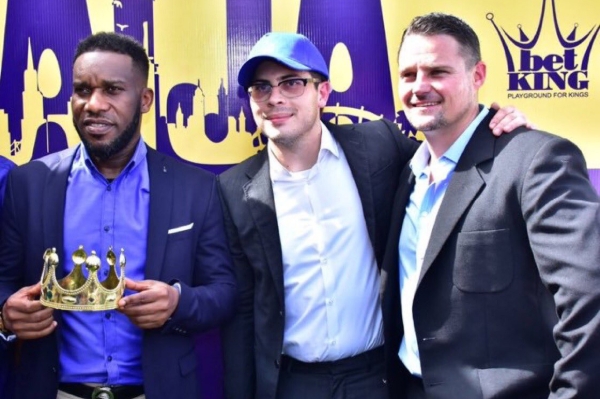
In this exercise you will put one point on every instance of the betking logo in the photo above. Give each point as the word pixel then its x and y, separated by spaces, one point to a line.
pixel 563 70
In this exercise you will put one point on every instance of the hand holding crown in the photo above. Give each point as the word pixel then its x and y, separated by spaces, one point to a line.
pixel 25 316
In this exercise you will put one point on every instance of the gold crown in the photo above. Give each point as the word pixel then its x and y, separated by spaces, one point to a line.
pixel 75 291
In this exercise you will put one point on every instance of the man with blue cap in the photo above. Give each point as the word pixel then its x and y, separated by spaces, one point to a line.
pixel 307 220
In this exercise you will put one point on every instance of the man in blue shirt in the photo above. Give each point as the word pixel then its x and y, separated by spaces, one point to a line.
pixel 114 191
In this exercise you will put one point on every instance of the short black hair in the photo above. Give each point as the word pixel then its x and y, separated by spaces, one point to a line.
pixel 116 43
pixel 437 23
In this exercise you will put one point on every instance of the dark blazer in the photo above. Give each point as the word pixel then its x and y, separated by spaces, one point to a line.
pixel 198 258
pixel 253 341
pixel 514 254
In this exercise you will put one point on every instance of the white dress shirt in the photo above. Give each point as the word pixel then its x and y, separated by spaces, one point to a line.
pixel 331 280
pixel 421 213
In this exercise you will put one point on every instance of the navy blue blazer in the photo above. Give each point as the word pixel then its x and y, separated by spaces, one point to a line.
pixel 199 259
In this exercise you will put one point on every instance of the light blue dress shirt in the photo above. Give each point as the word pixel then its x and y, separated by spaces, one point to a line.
pixel 421 213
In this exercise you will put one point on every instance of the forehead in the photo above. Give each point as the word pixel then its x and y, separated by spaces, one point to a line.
pixel 273 70
pixel 428 50
pixel 104 65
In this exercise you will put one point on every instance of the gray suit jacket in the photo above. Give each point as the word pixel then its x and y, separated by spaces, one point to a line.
pixel 508 303
pixel 198 258
pixel 252 343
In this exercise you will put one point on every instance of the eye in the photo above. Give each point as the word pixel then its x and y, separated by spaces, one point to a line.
pixel 81 90
pixel 113 89
pixel 292 82
pixel 261 88
pixel 407 75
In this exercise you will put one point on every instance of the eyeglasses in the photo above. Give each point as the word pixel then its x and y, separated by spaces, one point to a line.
pixel 289 88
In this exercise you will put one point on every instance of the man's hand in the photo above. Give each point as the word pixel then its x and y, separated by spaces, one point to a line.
pixel 25 316
pixel 152 305
pixel 508 119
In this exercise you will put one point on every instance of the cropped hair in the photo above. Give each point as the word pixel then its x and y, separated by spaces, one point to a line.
pixel 445 24
pixel 116 43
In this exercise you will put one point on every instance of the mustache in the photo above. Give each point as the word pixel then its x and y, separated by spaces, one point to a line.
pixel 277 111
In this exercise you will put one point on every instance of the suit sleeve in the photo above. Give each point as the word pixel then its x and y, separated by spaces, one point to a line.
pixel 406 147
pixel 238 335
pixel 562 212
pixel 210 301
pixel 11 245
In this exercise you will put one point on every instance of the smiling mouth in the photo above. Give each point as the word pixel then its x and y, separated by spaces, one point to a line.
pixel 97 128
pixel 275 118
pixel 426 104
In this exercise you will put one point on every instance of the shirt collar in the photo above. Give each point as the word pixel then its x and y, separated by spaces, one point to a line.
pixel 82 159
pixel 420 160
pixel 328 146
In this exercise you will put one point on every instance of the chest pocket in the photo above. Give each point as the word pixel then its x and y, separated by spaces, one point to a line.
pixel 484 261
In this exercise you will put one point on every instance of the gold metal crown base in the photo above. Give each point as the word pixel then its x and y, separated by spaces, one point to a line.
pixel 75 291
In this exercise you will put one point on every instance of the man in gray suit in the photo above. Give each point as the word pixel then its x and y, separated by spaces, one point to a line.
pixel 492 266
pixel 307 220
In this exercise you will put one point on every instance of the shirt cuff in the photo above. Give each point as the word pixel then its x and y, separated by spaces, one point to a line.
pixel 178 286
pixel 8 337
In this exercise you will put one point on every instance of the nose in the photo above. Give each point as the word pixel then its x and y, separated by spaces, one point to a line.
pixel 276 96
pixel 96 102
pixel 421 84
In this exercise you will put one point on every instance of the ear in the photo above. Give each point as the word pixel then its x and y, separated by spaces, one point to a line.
pixel 323 92
pixel 147 99
pixel 479 74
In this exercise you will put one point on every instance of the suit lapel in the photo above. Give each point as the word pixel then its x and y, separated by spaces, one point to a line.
pixel 464 186
pixel 405 188
pixel 161 206
pixel 261 204
pixel 353 145
pixel 53 215
pixel 390 275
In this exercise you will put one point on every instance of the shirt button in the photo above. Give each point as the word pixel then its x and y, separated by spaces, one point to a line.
pixel 323 260
pixel 107 228
pixel 109 358
pixel 108 188
pixel 329 301
pixel 107 316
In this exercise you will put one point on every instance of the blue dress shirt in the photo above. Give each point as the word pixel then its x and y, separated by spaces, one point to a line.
pixel 105 347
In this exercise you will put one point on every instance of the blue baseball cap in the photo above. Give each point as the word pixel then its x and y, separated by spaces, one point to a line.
pixel 293 50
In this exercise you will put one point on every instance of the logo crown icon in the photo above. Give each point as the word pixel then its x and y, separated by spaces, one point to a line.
pixel 524 43
pixel 75 291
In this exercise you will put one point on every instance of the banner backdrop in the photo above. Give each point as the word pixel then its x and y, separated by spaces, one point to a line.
pixel 540 54
pixel 540 57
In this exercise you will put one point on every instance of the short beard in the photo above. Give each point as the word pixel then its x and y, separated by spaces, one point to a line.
pixel 104 152
pixel 433 125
